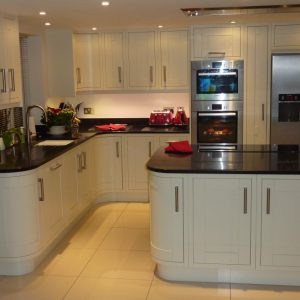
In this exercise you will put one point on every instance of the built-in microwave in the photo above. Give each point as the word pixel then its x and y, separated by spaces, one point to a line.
pixel 217 80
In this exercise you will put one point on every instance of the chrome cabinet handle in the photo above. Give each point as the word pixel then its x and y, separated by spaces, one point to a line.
pixel 3 90
pixel 216 53
pixel 262 112
pixel 117 149
pixel 268 208
pixel 120 74
pixel 151 74
pixel 165 73
pixel 78 75
pixel 79 163
pixel 245 201
pixel 57 166
pixel 84 166
pixel 176 199
pixel 12 80
pixel 42 192
pixel 150 149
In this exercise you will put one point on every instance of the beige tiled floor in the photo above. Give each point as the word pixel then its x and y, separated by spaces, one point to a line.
pixel 107 257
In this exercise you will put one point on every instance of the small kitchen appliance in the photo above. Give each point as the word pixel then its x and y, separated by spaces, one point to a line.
pixel 160 118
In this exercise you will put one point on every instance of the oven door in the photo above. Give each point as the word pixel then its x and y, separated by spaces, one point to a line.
pixel 217 127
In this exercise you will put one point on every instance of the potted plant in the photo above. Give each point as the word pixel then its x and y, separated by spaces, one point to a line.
pixel 60 120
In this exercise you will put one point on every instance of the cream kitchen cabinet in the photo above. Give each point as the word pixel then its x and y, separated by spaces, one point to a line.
pixel 142 69
pixel 174 63
pixel 166 197
pixel 256 102
pixel 221 220
pixel 286 36
pixel 10 64
pixel 50 199
pixel 108 164
pixel 216 42
pixel 280 222
pixel 87 62
pixel 139 148
pixel 113 52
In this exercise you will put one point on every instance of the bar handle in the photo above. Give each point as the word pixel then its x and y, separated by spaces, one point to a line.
pixel 176 199
pixel 165 74
pixel 263 112
pixel 57 166
pixel 151 74
pixel 42 191
pixel 268 208
pixel 150 149
pixel 84 166
pixel 216 53
pixel 118 149
pixel 79 162
pixel 120 74
pixel 245 201
pixel 3 90
pixel 78 75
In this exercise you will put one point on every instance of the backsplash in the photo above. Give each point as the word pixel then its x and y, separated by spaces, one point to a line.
pixel 10 118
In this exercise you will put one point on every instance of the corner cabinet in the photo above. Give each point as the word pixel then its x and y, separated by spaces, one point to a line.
pixel 166 225
pixel 10 63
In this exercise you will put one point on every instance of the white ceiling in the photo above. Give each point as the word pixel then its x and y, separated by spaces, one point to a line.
pixel 84 14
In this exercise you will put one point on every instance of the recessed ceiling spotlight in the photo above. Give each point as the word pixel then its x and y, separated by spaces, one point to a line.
pixel 105 3
pixel 94 28
pixel 42 13
pixel 47 24
pixel 160 26
pixel 233 22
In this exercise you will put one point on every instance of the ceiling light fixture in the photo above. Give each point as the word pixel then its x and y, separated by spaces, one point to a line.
pixel 205 11
pixel 94 28
pixel 233 22
pixel 47 24
pixel 160 26
pixel 42 13
pixel 105 3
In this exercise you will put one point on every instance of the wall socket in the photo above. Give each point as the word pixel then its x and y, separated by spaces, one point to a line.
pixel 88 110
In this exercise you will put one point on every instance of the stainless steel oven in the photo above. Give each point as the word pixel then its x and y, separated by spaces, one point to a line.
pixel 217 80
pixel 217 124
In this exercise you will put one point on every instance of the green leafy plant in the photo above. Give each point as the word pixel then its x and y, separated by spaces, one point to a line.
pixel 60 117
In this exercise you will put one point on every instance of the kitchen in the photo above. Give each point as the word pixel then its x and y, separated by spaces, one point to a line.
pixel 263 38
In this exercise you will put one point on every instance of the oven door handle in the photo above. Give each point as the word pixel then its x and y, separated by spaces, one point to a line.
pixel 217 73
pixel 216 114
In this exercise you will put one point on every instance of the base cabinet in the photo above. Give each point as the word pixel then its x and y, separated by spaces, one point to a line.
pixel 166 197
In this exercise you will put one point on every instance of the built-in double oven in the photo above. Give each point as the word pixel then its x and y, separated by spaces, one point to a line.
pixel 217 103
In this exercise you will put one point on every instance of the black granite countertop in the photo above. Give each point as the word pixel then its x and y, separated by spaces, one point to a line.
pixel 247 159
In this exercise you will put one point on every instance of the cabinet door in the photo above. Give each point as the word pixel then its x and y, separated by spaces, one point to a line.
pixel 286 36
pixel 87 61
pixel 174 59
pixel 139 150
pixel 222 220
pixel 280 240
pixel 257 86
pixel 113 64
pixel 108 164
pixel 217 41
pixel 141 60
pixel 51 210
pixel 166 225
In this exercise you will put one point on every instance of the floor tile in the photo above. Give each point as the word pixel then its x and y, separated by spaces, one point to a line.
pixel 164 290
pixel 32 287
pixel 264 292
pixel 145 207
pixel 109 289
pixel 133 219
pixel 61 262
pixel 127 239
pixel 120 264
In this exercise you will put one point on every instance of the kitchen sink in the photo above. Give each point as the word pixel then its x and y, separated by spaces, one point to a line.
pixel 54 143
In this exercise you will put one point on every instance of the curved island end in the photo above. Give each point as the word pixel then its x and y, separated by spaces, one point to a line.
pixel 227 216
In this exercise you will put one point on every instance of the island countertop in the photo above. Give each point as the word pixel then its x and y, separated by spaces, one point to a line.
pixel 243 159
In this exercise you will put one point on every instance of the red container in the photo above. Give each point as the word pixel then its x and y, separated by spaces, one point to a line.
pixel 161 117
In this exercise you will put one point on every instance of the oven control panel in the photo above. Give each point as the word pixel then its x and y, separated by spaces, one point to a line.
pixel 216 106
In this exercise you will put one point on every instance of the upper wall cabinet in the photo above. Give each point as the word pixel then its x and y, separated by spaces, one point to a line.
pixel 10 65
pixel 286 36
pixel 86 61
pixel 216 42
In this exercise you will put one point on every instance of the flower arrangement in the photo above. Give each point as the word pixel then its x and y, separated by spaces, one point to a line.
pixel 60 117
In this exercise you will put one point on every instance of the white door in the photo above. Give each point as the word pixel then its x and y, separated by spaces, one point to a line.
pixel 108 163
pixel 174 59
pixel 113 64
pixel 139 150
pixel 222 220
pixel 87 61
pixel 280 240
pixel 141 60
pixel 166 225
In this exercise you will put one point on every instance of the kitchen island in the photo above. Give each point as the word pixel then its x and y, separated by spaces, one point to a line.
pixel 227 216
